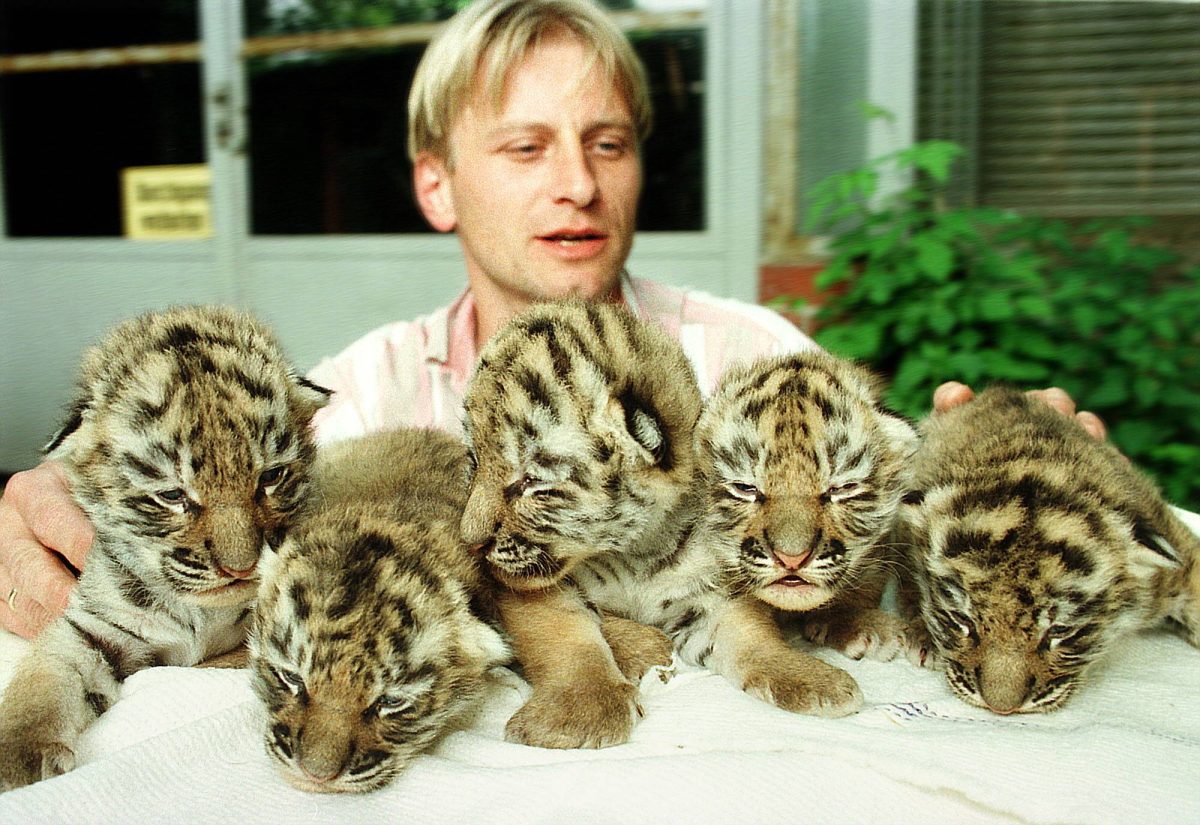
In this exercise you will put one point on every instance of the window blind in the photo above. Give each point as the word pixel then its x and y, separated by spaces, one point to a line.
pixel 1068 108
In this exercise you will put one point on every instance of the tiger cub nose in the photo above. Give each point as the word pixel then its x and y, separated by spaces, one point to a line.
pixel 238 574
pixel 793 562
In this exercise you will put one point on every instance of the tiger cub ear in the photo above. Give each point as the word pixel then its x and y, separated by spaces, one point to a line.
pixel 639 428
pixel 912 514
pixel 1151 552
pixel 73 422
pixel 310 396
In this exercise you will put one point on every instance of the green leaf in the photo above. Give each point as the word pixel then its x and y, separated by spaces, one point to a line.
pixel 860 341
pixel 932 157
pixel 1001 366
pixel 995 306
pixel 941 319
pixel 1110 392
pixel 935 258
pixel 1135 436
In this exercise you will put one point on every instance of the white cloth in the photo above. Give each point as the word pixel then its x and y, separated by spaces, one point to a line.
pixel 185 745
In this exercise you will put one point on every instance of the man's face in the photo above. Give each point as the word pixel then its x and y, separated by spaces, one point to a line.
pixel 543 191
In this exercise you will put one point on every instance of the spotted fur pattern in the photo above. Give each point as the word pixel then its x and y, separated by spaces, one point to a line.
pixel 1035 547
pixel 188 448
pixel 804 476
pixel 372 636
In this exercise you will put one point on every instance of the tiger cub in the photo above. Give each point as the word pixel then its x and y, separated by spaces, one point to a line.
pixel 188 447
pixel 804 474
pixel 371 636
pixel 579 423
pixel 585 497
pixel 1035 547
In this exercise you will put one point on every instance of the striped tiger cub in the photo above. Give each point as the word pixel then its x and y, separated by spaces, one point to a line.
pixel 579 422
pixel 188 447
pixel 586 498
pixel 372 633
pixel 804 475
pixel 1034 548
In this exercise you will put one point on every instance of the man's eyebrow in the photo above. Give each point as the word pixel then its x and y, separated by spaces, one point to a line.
pixel 524 127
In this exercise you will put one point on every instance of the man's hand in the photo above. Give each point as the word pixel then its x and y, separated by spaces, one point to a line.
pixel 952 393
pixel 40 525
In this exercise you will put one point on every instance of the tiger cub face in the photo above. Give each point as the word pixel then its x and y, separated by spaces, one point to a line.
pixel 1035 547
pixel 364 647
pixel 188 447
pixel 579 419
pixel 804 473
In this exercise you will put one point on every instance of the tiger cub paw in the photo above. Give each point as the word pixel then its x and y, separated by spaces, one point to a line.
pixel 918 646
pixel 870 634
pixel 636 647
pixel 803 684
pixel 25 760
pixel 598 716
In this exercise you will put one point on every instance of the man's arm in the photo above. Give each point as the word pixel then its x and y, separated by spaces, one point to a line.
pixel 40 525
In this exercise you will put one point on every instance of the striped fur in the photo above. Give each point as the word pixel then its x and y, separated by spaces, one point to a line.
pixel 1035 547
pixel 188 448
pixel 580 420
pixel 367 646
pixel 804 476
pixel 587 497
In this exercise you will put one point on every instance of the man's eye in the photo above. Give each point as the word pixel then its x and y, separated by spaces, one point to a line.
pixel 610 148
pixel 523 150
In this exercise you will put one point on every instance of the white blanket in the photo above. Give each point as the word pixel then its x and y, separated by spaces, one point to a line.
pixel 185 745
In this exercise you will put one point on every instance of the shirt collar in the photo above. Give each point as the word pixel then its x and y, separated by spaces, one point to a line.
pixel 450 333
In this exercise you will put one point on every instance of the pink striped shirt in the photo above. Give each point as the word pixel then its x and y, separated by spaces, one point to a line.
pixel 414 373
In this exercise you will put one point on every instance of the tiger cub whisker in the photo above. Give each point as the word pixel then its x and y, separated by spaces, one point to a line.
pixel 1034 548
pixel 188 447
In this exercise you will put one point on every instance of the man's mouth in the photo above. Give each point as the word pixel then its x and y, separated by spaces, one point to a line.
pixel 568 239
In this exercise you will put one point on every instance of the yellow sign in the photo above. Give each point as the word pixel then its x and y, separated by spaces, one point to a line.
pixel 166 202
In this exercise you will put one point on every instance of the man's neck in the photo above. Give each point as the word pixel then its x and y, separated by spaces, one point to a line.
pixel 494 308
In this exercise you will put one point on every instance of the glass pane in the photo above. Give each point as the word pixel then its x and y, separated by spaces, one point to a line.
pixel 328 127
pixel 67 134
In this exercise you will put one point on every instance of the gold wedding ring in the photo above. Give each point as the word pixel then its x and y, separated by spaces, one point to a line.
pixel 11 600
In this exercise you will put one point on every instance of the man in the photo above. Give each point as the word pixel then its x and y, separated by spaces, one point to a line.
pixel 526 118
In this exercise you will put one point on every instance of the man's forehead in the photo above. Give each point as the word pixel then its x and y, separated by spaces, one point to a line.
pixel 527 93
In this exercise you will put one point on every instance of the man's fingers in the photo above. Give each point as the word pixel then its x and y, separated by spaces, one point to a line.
pixel 951 394
pixel 1056 398
pixel 42 498
pixel 38 575
pixel 1093 424
pixel 27 620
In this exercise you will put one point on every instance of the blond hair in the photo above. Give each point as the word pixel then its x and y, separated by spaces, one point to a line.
pixel 483 42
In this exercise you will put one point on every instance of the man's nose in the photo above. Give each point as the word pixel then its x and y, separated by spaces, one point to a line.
pixel 575 179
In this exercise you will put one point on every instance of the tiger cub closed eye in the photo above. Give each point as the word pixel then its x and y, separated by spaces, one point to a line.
pixel 804 474
pixel 580 420
pixel 371 638
pixel 188 447
pixel 1035 547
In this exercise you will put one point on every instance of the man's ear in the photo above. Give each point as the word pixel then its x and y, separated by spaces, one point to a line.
pixel 431 182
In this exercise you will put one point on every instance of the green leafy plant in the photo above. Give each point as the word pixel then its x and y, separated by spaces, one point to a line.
pixel 927 293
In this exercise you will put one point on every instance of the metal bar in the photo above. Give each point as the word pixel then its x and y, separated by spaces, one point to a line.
pixel 408 34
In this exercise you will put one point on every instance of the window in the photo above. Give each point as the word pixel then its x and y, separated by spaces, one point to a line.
pixel 81 98
pixel 89 89
pixel 1073 109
